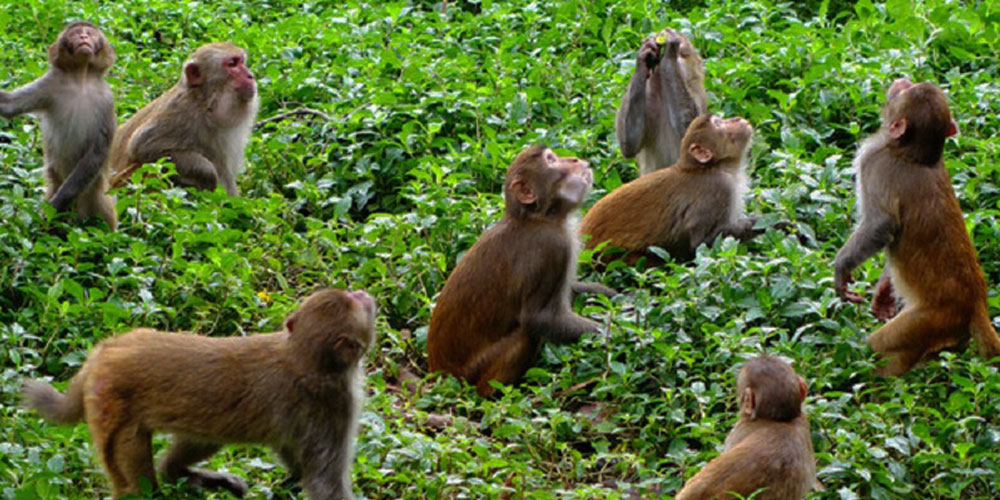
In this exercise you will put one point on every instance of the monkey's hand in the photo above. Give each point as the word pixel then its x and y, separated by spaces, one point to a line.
pixel 840 281
pixel 649 55
pixel 673 44
pixel 884 302
pixel 60 203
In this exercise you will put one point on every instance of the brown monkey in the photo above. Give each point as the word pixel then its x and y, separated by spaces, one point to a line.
pixel 679 208
pixel 769 449
pixel 512 288
pixel 663 97
pixel 908 207
pixel 202 123
pixel 78 120
pixel 298 391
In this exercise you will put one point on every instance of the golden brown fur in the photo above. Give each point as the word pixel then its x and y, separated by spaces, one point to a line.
pixel 908 207
pixel 770 448
pixel 296 390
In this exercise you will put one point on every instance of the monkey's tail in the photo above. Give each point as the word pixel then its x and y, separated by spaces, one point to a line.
pixel 53 405
pixel 985 335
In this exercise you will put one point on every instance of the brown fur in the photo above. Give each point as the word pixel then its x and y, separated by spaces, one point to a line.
pixel 202 124
pixel 908 207
pixel 297 390
pixel 512 288
pixel 78 119
pixel 770 448
pixel 664 96
pixel 681 207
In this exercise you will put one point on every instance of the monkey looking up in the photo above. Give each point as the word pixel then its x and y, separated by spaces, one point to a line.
pixel 665 94
pixel 769 450
pixel 78 120
pixel 202 124
pixel 512 288
pixel 298 391
pixel 908 208
pixel 679 208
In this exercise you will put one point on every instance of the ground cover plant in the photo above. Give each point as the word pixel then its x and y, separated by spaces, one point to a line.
pixel 421 106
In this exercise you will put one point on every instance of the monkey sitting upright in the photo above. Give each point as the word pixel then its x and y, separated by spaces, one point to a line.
pixel 769 450
pixel 298 391
pixel 909 208
pixel 78 120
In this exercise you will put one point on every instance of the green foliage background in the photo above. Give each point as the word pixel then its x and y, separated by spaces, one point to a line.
pixel 428 105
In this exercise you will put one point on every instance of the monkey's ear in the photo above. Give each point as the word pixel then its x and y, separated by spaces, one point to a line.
pixel 748 403
pixel 192 74
pixel 700 153
pixel 522 192
pixel 803 389
pixel 897 128
pixel 290 323
pixel 952 128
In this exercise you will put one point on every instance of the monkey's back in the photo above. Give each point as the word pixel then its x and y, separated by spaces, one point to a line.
pixel 176 382
pixel 933 243
pixel 664 208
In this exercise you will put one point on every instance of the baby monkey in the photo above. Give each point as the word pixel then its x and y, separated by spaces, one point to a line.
pixel 769 449
pixel 298 391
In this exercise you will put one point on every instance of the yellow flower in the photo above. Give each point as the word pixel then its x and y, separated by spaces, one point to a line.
pixel 264 296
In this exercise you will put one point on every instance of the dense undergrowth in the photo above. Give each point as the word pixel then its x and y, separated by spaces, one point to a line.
pixel 427 106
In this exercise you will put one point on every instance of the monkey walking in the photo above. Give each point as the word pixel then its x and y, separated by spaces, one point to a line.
pixel 908 207
pixel 202 124
pixel 298 391
pixel 769 451
pixel 78 120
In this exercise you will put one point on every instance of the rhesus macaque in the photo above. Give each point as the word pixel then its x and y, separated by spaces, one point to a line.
pixel 909 208
pixel 202 124
pixel 298 391
pixel 665 94
pixel 512 288
pixel 78 120
pixel 679 208
pixel 769 449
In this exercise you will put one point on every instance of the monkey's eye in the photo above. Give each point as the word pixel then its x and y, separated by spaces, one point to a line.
pixel 233 62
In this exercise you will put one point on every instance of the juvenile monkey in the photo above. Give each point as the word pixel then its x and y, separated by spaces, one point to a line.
pixel 298 391
pixel 512 288
pixel 909 208
pixel 679 208
pixel 769 449
pixel 78 120
pixel 202 123
pixel 665 94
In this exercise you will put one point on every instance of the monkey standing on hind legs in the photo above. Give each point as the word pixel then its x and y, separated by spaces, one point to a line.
pixel 78 120
pixel 298 391
pixel 202 124
pixel 909 208
pixel 664 96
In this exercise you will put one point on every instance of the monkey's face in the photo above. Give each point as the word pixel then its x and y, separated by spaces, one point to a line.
pixel 540 182
pixel 83 40
pixel 79 45
pixel 240 77
pixel 332 329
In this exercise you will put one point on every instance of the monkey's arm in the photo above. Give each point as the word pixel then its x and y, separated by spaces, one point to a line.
pixel 34 96
pixel 195 170
pixel 579 287
pixel 733 470
pixel 676 91
pixel 545 307
pixel 90 164
pixel 876 231
pixel 630 121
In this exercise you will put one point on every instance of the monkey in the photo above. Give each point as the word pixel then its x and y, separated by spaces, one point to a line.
pixel 908 208
pixel 679 208
pixel 769 450
pixel 202 124
pixel 77 112
pixel 512 288
pixel 663 97
pixel 297 390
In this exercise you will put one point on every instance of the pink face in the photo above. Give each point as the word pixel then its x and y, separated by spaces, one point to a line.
pixel 84 40
pixel 898 87
pixel 240 76
pixel 362 299
pixel 735 127
pixel 575 176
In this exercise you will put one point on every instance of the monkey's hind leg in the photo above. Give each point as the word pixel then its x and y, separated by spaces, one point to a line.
pixel 506 361
pixel 911 335
pixel 183 453
pixel 96 201
pixel 53 182
pixel 127 454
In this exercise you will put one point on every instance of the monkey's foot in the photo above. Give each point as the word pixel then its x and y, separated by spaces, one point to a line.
pixel 213 480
